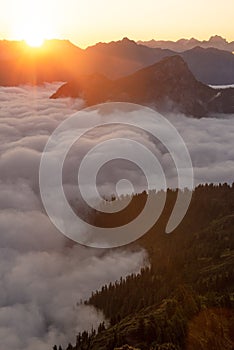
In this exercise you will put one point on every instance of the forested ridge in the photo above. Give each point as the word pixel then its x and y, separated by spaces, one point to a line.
pixel 184 298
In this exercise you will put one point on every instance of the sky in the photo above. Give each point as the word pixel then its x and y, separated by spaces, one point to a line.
pixel 85 22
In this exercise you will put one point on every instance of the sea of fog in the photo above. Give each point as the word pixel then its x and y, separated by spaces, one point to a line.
pixel 42 277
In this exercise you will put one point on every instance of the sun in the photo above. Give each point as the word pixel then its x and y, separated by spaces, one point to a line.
pixel 34 34
pixel 35 41
pixel 34 21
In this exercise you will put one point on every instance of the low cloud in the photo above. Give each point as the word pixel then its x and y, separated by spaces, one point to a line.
pixel 211 146
pixel 43 275
pixel 40 290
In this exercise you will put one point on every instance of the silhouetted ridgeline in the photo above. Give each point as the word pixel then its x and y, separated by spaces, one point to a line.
pixel 216 41
pixel 60 60
pixel 184 300
pixel 168 86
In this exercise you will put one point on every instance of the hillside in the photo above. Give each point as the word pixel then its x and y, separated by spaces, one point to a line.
pixel 185 298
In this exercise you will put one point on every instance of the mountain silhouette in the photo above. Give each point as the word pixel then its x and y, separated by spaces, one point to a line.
pixel 181 45
pixel 167 85
pixel 60 60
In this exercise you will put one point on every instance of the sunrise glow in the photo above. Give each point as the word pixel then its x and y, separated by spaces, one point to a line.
pixel 33 33
pixel 35 41
pixel 87 22
pixel 33 22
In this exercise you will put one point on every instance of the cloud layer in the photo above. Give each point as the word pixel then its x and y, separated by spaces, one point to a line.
pixel 43 275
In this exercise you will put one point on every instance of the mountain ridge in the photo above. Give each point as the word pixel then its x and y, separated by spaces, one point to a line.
pixel 215 41
pixel 167 85
pixel 60 60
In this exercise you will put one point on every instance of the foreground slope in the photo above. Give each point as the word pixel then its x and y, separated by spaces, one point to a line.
pixel 185 298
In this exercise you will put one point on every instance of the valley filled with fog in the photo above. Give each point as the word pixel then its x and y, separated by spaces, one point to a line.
pixel 43 275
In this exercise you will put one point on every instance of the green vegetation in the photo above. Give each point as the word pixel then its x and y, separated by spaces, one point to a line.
pixel 184 298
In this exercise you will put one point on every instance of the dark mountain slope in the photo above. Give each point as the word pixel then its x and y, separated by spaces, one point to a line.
pixel 130 50
pixel 211 66
pixel 185 298
pixel 167 86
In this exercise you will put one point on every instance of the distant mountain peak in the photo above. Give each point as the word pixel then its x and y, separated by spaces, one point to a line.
pixel 217 39
pixel 127 40
pixel 171 65
pixel 168 85
pixel 193 40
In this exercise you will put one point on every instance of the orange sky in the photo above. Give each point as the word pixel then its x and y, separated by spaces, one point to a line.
pixel 86 22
